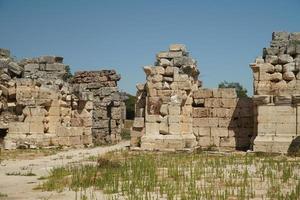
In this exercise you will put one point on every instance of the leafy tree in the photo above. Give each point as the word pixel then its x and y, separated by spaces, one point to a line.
pixel 130 106
pixel 68 75
pixel 240 90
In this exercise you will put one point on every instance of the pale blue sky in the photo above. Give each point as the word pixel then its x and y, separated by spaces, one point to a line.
pixel 223 36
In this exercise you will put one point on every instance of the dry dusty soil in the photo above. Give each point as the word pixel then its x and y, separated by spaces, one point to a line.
pixel 21 187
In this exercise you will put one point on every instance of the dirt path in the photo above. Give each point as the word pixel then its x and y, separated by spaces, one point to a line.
pixel 21 187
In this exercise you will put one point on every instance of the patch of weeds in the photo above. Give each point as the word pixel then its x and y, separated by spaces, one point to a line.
pixel 125 134
pixel 42 178
pixel 2 195
pixel 28 173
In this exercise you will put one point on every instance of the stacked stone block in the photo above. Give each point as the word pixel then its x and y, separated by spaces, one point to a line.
pixel 39 107
pixel 276 90
pixel 164 105
pixel 173 112
pixel 221 119
pixel 99 89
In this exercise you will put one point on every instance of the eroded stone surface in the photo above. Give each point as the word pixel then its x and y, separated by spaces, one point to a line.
pixel 40 107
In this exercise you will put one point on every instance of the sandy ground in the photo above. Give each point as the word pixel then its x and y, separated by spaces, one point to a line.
pixel 21 187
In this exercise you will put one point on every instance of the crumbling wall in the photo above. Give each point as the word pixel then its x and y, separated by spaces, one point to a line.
pixel 221 119
pixel 99 90
pixel 164 105
pixel 276 94
pixel 173 112
pixel 40 108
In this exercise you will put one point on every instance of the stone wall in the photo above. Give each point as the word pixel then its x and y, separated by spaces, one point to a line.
pixel 40 107
pixel 221 119
pixel 99 90
pixel 173 112
pixel 277 93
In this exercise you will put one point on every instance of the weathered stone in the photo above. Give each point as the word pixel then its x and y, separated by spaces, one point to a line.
pixel 15 68
pixel 288 76
pixel 177 47
pixel 285 58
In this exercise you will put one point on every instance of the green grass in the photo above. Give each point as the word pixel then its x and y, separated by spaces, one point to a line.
pixel 140 175
pixel 125 134
pixel 2 195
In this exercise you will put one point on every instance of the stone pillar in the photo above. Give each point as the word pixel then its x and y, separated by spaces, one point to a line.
pixel 276 87
pixel 164 105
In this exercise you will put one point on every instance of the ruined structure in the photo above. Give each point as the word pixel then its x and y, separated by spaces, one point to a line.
pixel 277 94
pixel 173 111
pixel 40 107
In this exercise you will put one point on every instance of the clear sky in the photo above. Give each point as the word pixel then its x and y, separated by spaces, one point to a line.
pixel 224 36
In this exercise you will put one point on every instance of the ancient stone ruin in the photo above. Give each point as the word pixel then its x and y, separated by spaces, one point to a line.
pixel 41 107
pixel 173 111
pixel 277 94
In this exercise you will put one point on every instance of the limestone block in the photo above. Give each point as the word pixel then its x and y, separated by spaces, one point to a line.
pixel 181 78
pixel 174 110
pixel 31 67
pixel 199 112
pixel 186 128
pixel 288 76
pixel 203 93
pixel 15 68
pixel 55 67
pixel 289 67
pixel 228 103
pixel 219 132
pixel 201 122
pixel 285 58
pixel 164 128
pixel 86 139
pixel 153 105
pixel 167 54
pixel 202 131
pixel 152 118
pixel 212 102
pixel 50 59
pixel 199 102
pixel 177 47
pixel 164 62
pixel 271 59
pixel 116 113
pixel 163 110
pixel 96 124
pixel 204 141
pixel 228 92
pixel 263 87
pixel 276 77
pixel 34 119
pixel 138 122
pixel 36 127
pixel 169 71
pixel 159 70
pixel 174 118
pixel 174 128
pixel 226 122
pixel 279 100
pixel 278 68
pixel 152 128
pixel 187 85
pixel 228 142
pixel 18 127
pixel 286 128
pixel 264 76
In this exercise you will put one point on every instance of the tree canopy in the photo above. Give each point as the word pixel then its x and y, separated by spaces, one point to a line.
pixel 240 90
